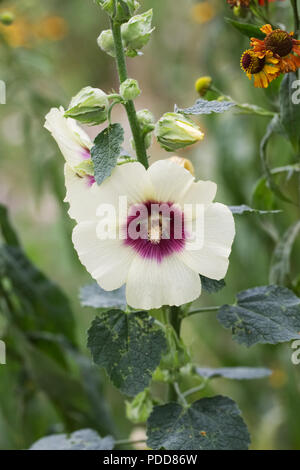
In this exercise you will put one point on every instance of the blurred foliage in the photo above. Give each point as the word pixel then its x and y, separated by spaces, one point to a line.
pixel 47 54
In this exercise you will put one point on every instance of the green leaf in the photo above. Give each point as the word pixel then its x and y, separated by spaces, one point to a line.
pixel 236 373
pixel 94 296
pixel 263 196
pixel 247 29
pixel 85 439
pixel 106 151
pixel 129 346
pixel 206 107
pixel 43 306
pixel 269 314
pixel 289 112
pixel 9 234
pixel 280 265
pixel 208 424
pixel 211 285
pixel 243 209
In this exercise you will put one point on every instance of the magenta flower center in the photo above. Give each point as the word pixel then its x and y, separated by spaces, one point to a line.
pixel 155 230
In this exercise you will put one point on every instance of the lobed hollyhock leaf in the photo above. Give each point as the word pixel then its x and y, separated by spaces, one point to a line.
pixel 129 346
pixel 235 373
pixel 208 424
pixel 94 296
pixel 106 151
pixel 206 107
pixel 243 209
pixel 85 439
pixel 211 285
pixel 247 29
pixel 268 314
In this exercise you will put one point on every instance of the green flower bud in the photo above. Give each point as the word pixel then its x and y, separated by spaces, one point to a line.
pixel 202 85
pixel 136 33
pixel 140 408
pixel 124 11
pixel 146 121
pixel 7 18
pixel 129 89
pixel 106 42
pixel 175 131
pixel 89 106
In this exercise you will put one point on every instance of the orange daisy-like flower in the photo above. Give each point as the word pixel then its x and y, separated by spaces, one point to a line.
pixel 264 69
pixel 282 45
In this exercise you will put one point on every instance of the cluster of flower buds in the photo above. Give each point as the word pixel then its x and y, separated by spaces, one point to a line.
pixel 135 35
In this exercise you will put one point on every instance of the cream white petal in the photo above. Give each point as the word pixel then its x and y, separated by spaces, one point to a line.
pixel 130 180
pixel 108 261
pixel 218 235
pixel 171 181
pixel 73 142
pixel 201 192
pixel 81 196
pixel 151 284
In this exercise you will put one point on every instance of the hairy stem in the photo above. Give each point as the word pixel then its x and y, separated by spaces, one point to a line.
pixel 129 105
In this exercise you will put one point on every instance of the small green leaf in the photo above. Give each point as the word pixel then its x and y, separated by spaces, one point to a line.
pixel 129 346
pixel 236 373
pixel 280 265
pixel 94 296
pixel 206 107
pixel 269 314
pixel 208 424
pixel 243 209
pixel 247 29
pixel 85 439
pixel 106 151
pixel 263 196
pixel 211 285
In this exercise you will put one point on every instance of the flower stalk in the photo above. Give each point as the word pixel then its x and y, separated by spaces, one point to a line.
pixel 141 152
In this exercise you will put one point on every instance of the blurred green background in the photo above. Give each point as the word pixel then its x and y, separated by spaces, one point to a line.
pixel 47 55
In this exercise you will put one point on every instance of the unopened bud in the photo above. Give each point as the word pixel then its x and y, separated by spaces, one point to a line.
pixel 202 85
pixel 175 131
pixel 89 106
pixel 129 89
pixel 140 408
pixel 184 162
pixel 146 121
pixel 136 33
pixel 7 18
pixel 106 42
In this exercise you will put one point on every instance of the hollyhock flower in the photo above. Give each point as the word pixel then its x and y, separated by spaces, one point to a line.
pixel 281 44
pixel 264 69
pixel 159 264
pixel 75 146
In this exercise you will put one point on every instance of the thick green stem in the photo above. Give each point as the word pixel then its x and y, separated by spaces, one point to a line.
pixel 174 320
pixel 129 105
